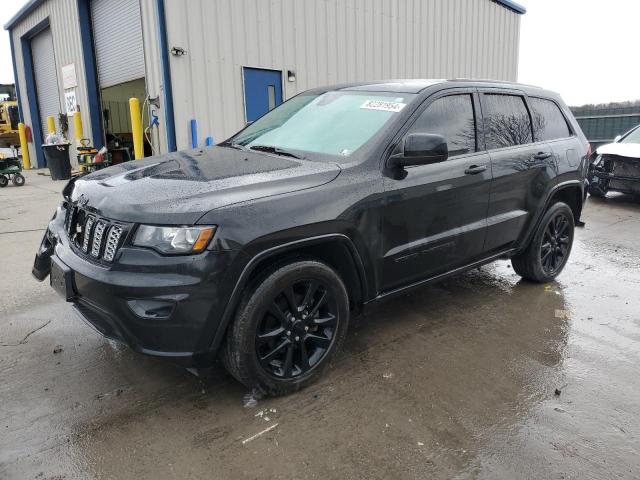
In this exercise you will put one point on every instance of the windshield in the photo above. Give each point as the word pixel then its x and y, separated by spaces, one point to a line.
pixel 333 123
pixel 633 137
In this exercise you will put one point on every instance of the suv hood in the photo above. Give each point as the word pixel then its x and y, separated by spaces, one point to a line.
pixel 179 188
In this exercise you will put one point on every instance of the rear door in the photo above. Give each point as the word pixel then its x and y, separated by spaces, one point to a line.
pixel 551 126
pixel 435 218
pixel 521 167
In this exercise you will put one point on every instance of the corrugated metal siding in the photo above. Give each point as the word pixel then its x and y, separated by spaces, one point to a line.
pixel 153 67
pixel 326 42
pixel 63 17
pixel 323 41
pixel 117 39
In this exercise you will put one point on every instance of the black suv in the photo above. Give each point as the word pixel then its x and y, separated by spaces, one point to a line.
pixel 258 250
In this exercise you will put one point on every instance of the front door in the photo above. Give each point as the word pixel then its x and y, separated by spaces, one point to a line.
pixel 435 218
pixel 262 91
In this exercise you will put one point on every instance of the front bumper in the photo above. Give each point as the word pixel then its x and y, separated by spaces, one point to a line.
pixel 162 306
pixel 618 174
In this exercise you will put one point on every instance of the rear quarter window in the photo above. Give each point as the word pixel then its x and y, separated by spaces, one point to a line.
pixel 548 121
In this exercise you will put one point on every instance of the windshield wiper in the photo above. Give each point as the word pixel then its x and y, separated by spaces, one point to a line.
pixel 276 150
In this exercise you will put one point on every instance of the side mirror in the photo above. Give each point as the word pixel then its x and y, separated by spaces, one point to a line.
pixel 421 149
pixel 617 139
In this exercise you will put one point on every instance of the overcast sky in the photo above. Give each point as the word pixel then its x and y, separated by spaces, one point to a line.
pixel 9 7
pixel 586 50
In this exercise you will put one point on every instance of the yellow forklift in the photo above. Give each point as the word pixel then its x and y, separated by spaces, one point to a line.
pixel 9 117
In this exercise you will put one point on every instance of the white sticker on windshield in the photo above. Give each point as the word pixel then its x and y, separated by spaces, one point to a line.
pixel 382 105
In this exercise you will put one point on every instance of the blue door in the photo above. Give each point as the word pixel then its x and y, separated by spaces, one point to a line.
pixel 262 91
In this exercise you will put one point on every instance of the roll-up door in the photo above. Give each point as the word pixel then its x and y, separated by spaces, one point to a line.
pixel 46 79
pixel 117 37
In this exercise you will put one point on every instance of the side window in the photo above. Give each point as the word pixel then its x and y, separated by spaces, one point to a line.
pixel 506 121
pixel 548 121
pixel 452 117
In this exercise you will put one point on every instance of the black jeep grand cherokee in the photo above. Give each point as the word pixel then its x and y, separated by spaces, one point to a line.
pixel 259 249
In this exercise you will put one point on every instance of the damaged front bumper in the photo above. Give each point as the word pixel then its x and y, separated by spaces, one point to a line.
pixel 614 173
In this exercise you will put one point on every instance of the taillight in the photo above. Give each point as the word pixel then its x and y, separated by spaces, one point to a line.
pixel 588 151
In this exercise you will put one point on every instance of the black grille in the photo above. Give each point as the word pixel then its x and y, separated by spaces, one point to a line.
pixel 95 236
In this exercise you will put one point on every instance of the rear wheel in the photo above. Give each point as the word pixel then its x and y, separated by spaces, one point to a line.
pixel 18 180
pixel 550 247
pixel 288 328
pixel 4 181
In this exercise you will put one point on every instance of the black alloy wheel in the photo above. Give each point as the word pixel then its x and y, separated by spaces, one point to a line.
pixel 550 246
pixel 555 244
pixel 297 329
pixel 290 324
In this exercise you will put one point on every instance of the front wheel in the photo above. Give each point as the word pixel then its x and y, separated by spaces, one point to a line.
pixel 288 328
pixel 4 181
pixel 549 250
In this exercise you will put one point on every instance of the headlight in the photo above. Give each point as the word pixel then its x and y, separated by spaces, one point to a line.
pixel 174 240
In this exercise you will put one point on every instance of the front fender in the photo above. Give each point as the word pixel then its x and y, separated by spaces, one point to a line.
pixel 278 250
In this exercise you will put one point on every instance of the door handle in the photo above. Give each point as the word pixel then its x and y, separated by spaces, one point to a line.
pixel 475 169
pixel 542 155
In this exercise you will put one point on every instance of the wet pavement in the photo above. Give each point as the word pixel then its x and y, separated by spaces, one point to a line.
pixel 483 376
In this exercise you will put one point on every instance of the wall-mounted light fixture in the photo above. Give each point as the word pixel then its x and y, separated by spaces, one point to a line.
pixel 291 75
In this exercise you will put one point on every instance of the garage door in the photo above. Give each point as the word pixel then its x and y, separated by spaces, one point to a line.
pixel 117 37
pixel 44 70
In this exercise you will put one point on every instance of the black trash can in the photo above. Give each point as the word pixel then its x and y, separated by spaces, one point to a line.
pixel 58 161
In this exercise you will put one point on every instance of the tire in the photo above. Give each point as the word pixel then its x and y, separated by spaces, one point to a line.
pixel 18 180
pixel 265 348
pixel 4 181
pixel 550 247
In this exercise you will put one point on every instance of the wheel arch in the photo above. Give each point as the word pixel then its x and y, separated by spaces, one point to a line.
pixel 570 192
pixel 336 250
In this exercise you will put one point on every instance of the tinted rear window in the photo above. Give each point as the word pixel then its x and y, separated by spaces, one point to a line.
pixel 548 121
pixel 506 121
pixel 452 117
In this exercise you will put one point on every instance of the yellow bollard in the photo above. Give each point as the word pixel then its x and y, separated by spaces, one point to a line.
pixel 24 148
pixel 51 124
pixel 136 127
pixel 77 126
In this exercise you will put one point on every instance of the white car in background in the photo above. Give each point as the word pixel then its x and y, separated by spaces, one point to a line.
pixel 616 167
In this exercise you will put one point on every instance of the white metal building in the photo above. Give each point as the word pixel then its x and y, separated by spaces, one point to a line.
pixel 206 67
